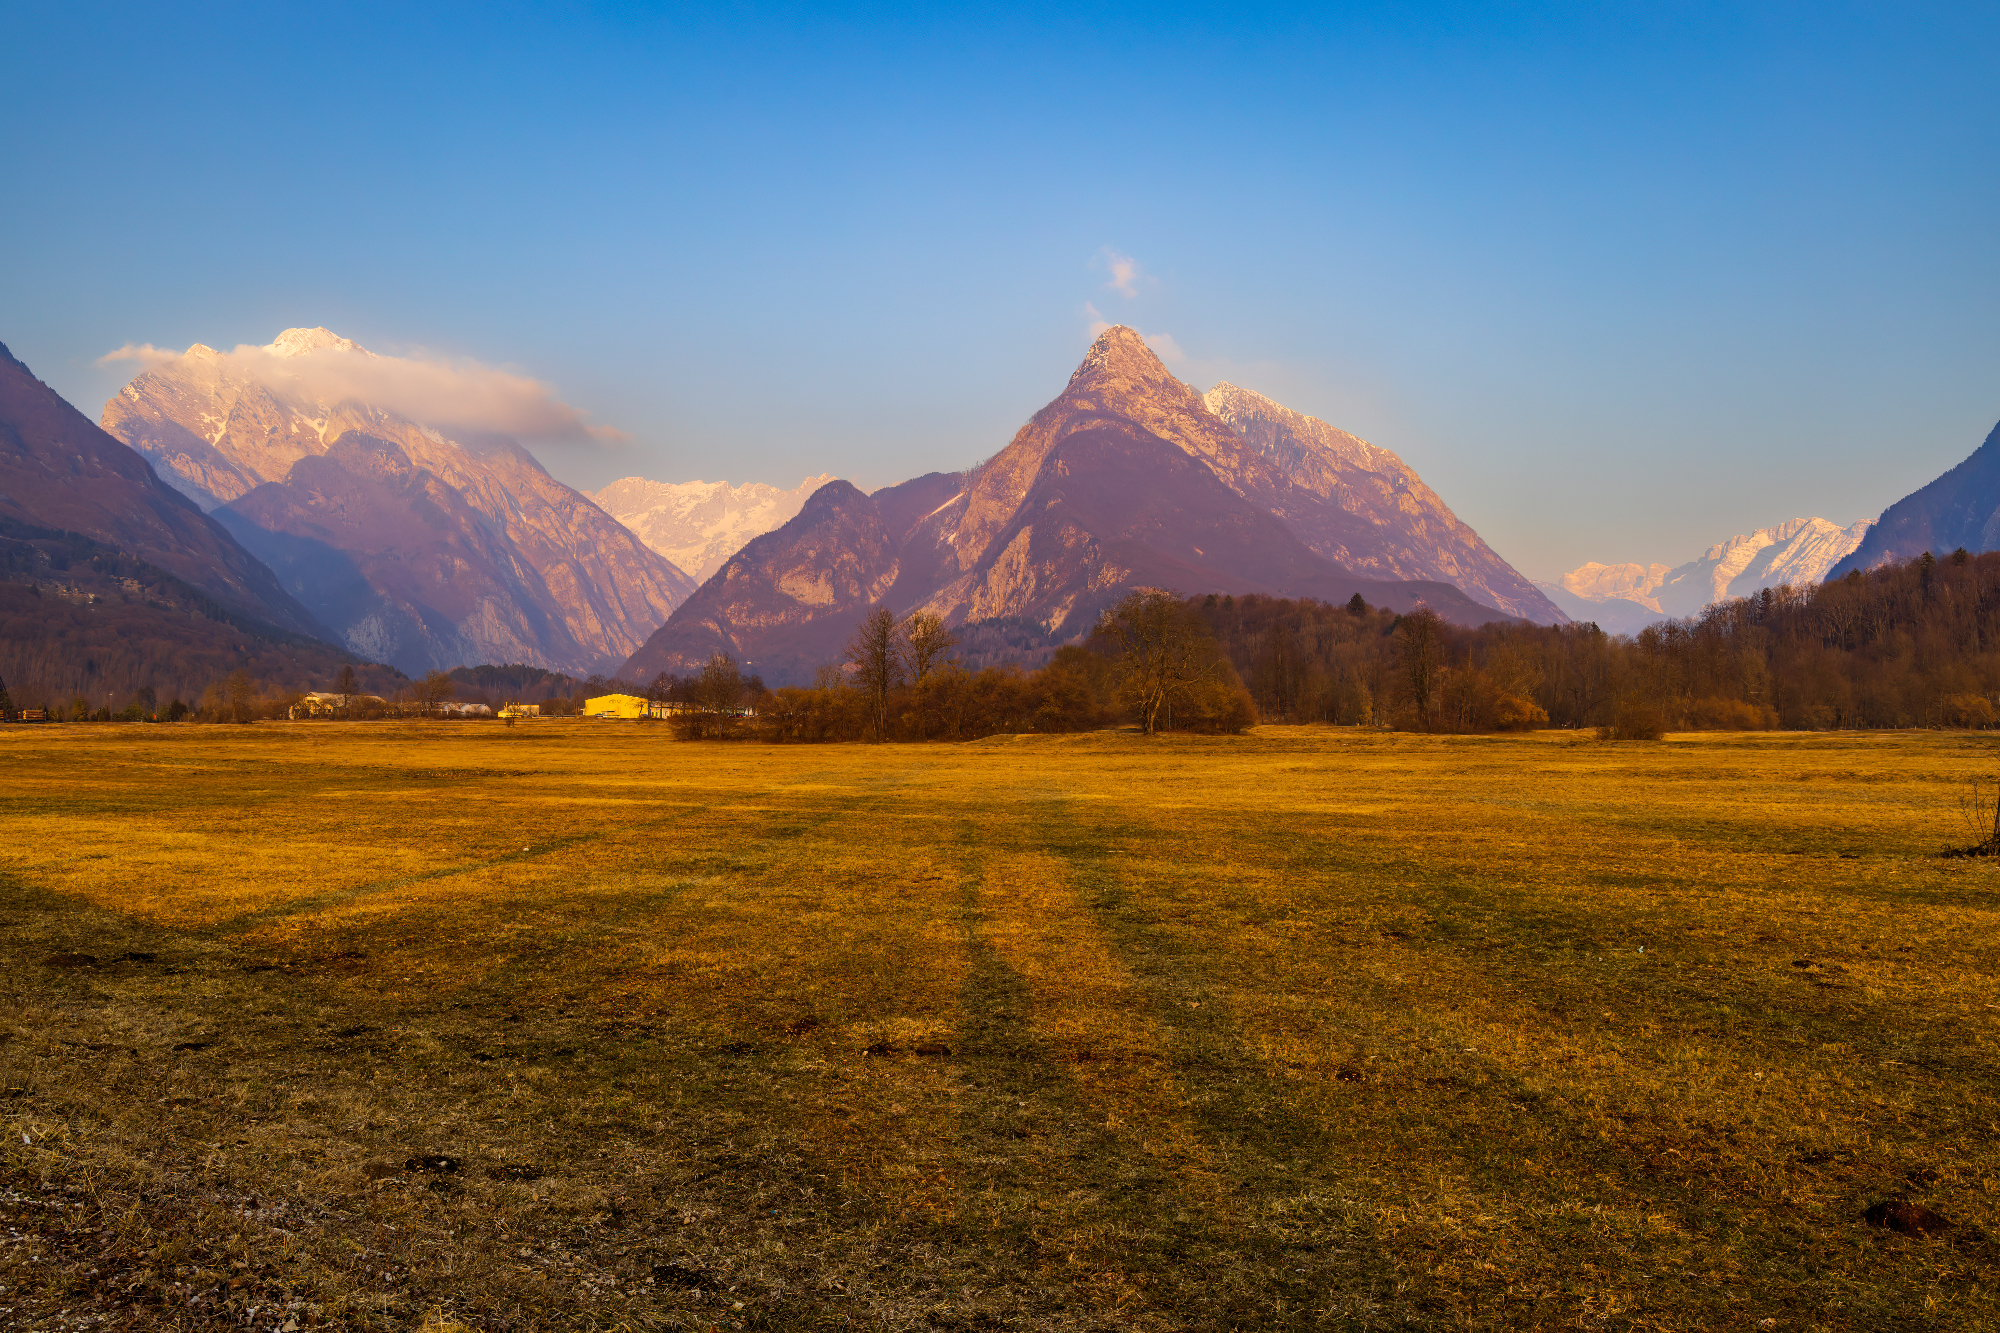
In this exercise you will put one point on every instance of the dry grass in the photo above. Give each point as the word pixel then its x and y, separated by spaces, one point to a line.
pixel 1304 1029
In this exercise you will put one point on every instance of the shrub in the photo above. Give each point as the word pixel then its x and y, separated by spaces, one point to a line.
pixel 1635 719
pixel 1512 713
pixel 1968 710
pixel 1730 715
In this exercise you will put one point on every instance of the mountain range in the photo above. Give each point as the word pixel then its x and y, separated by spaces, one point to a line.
pixel 413 543
pixel 1625 598
pixel 700 524
pixel 1128 478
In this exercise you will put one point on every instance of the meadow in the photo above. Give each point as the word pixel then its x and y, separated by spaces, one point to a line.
pixel 572 1026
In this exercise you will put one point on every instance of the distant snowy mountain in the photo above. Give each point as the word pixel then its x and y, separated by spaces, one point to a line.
pixel 1627 597
pixel 700 524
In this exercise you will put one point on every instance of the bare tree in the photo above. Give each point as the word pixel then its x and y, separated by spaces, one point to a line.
pixel 878 666
pixel 926 648
pixel 720 688
pixel 345 686
pixel 1423 658
pixel 240 694
pixel 1164 652
pixel 432 690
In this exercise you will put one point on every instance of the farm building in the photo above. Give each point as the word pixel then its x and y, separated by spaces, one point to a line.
pixel 619 706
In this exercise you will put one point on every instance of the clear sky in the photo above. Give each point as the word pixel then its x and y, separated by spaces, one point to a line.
pixel 1619 280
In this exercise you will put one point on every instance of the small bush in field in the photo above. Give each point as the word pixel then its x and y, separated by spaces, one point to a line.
pixel 1635 720
pixel 1512 713
pixel 1730 715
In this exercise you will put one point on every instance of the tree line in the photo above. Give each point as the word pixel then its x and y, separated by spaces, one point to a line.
pixel 1910 644
pixel 1152 661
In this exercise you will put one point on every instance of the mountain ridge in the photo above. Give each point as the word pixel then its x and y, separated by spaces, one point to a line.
pixel 525 568
pixel 1961 508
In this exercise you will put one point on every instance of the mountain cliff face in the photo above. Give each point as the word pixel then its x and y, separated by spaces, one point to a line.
pixel 419 547
pixel 1961 508
pixel 700 524
pixel 1125 480
pixel 1371 512
pixel 1625 598
pixel 60 472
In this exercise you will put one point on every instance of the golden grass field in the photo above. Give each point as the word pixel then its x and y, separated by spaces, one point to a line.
pixel 1303 1029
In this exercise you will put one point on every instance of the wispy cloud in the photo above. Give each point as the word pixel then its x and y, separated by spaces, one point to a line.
pixel 433 390
pixel 1163 344
pixel 1125 273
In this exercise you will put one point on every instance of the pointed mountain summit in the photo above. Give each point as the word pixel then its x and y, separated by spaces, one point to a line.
pixel 415 546
pixel 1126 479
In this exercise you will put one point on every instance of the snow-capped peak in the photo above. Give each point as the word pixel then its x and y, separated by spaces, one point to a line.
pixel 298 342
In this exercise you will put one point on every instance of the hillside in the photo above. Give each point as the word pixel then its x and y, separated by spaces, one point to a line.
pixel 59 472
pixel 80 619
pixel 1374 515
pixel 1959 509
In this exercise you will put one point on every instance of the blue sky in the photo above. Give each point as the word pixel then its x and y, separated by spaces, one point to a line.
pixel 1618 280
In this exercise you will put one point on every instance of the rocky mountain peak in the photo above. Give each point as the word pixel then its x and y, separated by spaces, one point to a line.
pixel 1239 400
pixel 1120 360
pixel 298 342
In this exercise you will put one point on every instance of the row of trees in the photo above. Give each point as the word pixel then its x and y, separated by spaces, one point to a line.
pixel 1913 644
pixel 1153 661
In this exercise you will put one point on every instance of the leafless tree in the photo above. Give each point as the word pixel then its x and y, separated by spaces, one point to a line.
pixel 1423 658
pixel 1164 652
pixel 878 666
pixel 926 649
pixel 432 690
pixel 240 692
pixel 720 688
pixel 346 687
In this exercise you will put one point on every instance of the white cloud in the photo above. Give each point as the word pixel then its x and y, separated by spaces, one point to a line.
pixel 318 368
pixel 1124 270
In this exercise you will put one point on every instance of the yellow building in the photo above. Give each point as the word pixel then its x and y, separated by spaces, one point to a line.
pixel 521 710
pixel 623 706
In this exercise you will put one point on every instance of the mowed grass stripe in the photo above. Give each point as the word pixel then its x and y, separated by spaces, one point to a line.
pixel 783 1038
pixel 1486 1121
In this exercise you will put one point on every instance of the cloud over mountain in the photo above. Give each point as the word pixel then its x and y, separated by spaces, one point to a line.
pixel 313 365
